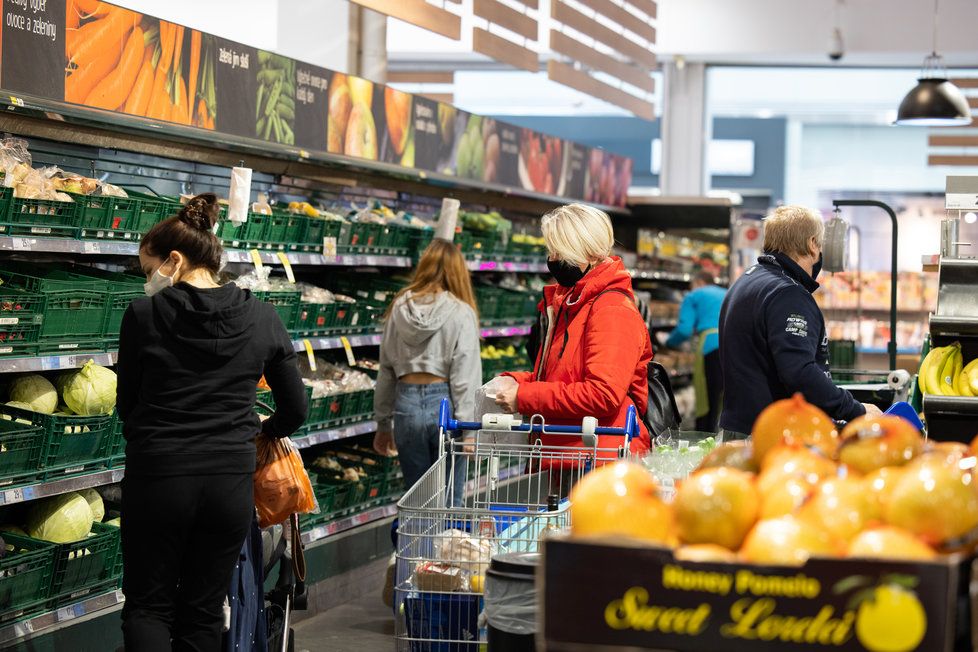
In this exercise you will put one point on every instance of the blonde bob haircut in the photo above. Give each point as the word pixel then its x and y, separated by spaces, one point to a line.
pixel 788 229
pixel 578 233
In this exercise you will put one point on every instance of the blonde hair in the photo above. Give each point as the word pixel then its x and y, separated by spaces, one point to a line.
pixel 578 233
pixel 441 268
pixel 789 228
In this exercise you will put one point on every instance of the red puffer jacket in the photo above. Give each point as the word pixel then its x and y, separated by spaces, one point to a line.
pixel 593 359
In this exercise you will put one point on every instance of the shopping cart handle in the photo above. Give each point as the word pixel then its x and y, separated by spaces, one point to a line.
pixel 629 432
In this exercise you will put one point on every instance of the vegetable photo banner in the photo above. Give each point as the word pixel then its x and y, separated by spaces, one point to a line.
pixel 98 55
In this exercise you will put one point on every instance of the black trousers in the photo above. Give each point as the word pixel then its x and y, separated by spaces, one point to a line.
pixel 714 390
pixel 181 537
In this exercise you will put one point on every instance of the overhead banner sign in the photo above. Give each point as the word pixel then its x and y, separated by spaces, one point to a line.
pixel 98 55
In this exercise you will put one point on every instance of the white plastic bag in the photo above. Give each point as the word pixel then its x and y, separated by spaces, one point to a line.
pixel 485 403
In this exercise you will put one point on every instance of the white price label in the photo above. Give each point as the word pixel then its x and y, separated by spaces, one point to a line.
pixel 329 249
pixel 91 248
pixel 65 613
pixel 13 496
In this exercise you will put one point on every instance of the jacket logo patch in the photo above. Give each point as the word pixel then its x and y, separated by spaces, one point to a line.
pixel 796 325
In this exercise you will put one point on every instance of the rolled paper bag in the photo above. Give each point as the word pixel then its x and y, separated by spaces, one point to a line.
pixel 239 197
pixel 445 227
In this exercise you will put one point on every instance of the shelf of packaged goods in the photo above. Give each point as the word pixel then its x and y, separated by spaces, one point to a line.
pixel 334 434
pixel 659 324
pixel 321 532
pixel 55 362
pixel 950 418
pixel 676 277
pixel 881 350
pixel 55 487
pixel 849 310
pixel 52 621
pixel 539 266
pixel 131 248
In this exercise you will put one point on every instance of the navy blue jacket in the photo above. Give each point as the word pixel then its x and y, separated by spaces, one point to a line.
pixel 773 344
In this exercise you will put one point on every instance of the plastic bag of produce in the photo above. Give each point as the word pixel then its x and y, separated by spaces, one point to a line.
pixel 36 392
pixel 94 499
pixel 486 408
pixel 282 486
pixel 90 391
pixel 60 519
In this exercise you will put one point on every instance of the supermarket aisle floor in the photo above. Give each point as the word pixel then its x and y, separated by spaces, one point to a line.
pixel 363 625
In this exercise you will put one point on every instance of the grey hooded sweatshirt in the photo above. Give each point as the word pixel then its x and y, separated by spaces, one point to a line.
pixel 436 334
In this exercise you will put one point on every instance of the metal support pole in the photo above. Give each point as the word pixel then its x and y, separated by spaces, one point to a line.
pixel 891 346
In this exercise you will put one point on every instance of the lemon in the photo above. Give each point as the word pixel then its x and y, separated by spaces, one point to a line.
pixel 893 621
pixel 476 583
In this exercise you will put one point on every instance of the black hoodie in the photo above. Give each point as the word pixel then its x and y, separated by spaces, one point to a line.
pixel 189 363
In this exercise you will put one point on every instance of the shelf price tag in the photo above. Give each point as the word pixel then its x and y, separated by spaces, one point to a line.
pixel 307 345
pixel 349 351
pixel 256 260
pixel 289 274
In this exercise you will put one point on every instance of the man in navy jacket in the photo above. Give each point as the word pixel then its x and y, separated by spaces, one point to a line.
pixel 772 333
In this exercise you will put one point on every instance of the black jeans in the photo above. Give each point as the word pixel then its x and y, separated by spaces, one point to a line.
pixel 714 390
pixel 181 537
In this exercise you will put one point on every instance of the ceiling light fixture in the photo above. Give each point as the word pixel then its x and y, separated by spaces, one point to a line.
pixel 934 101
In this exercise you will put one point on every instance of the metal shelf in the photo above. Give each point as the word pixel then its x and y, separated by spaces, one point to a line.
pixel 507 330
pixel 881 350
pixel 62 486
pixel 321 532
pixel 335 434
pixel 54 620
pixel 676 277
pixel 131 248
pixel 55 362
pixel 373 339
pixel 506 266
pixel 874 311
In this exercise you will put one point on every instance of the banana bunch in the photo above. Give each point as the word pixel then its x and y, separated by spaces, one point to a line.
pixel 944 373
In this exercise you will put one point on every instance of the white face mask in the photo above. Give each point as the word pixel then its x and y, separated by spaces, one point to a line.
pixel 158 281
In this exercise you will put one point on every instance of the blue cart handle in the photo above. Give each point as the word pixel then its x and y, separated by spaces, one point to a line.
pixel 629 432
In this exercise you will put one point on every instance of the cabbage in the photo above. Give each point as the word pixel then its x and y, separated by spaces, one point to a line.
pixel 116 522
pixel 60 519
pixel 94 499
pixel 20 405
pixel 37 392
pixel 90 391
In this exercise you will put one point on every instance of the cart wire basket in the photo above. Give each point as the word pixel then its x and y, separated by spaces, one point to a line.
pixel 499 485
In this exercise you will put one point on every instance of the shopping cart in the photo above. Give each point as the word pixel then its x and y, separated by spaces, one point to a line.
pixel 516 493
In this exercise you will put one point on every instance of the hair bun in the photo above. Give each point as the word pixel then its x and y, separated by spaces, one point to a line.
pixel 201 212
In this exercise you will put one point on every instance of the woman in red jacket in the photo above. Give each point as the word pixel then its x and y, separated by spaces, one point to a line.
pixel 595 347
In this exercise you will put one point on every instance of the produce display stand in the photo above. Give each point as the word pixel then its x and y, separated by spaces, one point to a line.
pixel 953 418
pixel 647 600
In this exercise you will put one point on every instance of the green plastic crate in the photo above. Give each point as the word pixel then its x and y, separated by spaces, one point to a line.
pixel 286 303
pixel 73 305
pixel 419 240
pixel 120 292
pixel 152 210
pixel 71 444
pixel 286 230
pixel 81 566
pixel 116 448
pixel 363 237
pixel 315 318
pixel 22 446
pixel 108 218
pixel 44 217
pixel 25 576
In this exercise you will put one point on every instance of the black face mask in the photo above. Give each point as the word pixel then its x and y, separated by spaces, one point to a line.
pixel 565 273
pixel 817 267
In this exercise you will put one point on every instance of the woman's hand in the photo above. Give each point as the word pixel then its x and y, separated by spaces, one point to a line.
pixel 506 398
pixel 384 443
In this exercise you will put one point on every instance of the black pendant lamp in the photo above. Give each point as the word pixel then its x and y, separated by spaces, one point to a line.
pixel 934 101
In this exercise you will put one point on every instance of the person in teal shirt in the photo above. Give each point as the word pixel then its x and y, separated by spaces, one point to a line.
pixel 700 315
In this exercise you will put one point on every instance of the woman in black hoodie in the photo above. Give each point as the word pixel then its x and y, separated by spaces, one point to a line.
pixel 190 357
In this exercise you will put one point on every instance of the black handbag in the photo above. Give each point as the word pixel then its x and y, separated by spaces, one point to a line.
pixel 662 413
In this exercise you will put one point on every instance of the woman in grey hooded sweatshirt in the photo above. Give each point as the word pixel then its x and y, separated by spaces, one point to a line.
pixel 430 351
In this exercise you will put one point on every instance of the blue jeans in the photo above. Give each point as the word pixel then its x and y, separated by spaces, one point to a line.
pixel 416 436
